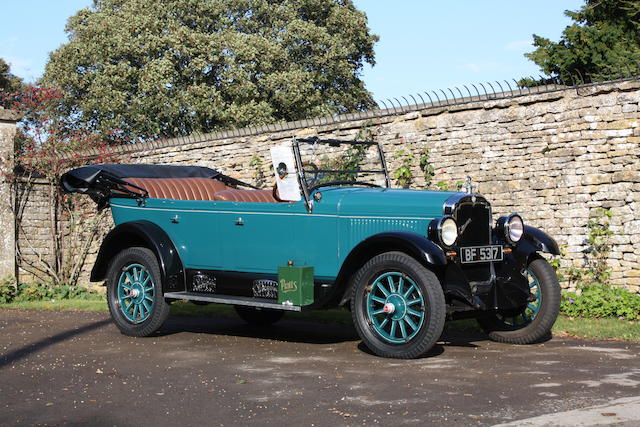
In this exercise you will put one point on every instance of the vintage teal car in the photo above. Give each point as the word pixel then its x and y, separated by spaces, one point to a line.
pixel 401 260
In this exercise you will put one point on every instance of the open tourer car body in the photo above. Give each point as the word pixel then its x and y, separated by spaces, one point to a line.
pixel 331 232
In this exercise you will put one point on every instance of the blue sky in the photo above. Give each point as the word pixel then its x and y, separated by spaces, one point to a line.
pixel 423 45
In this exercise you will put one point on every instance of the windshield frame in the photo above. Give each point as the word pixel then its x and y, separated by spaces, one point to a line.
pixel 302 179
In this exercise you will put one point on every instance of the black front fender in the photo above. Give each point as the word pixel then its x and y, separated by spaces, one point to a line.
pixel 413 244
pixel 536 240
pixel 145 234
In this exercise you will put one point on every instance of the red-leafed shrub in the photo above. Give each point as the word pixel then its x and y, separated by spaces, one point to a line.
pixel 45 148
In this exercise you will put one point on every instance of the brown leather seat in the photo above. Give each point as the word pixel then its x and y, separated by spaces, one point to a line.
pixel 255 196
pixel 180 188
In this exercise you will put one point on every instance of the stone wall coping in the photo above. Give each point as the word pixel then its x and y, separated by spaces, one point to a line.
pixel 11 116
pixel 506 99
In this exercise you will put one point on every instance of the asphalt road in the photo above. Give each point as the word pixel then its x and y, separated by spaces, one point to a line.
pixel 59 368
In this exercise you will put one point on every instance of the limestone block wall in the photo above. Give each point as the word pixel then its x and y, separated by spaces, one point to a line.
pixel 554 157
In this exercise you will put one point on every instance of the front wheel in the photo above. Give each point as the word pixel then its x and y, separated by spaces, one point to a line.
pixel 532 323
pixel 134 293
pixel 397 306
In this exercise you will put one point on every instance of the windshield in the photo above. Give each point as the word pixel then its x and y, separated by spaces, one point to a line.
pixel 328 162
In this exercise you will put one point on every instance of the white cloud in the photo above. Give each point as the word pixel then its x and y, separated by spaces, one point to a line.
pixel 519 45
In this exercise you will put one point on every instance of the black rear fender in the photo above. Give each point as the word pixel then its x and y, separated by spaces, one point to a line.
pixel 145 234
pixel 413 244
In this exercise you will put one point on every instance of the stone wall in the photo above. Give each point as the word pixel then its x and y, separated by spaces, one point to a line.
pixel 554 157
pixel 8 119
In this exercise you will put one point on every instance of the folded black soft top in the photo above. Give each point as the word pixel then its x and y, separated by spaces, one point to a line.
pixel 102 182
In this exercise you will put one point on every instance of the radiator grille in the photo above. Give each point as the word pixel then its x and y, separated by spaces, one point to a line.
pixel 475 222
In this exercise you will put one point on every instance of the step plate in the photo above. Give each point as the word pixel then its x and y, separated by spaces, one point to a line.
pixel 228 299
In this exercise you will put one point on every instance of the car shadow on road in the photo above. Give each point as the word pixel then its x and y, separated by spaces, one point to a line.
pixel 308 332
pixel 286 330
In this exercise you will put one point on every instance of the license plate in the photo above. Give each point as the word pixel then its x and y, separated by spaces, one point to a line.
pixel 480 254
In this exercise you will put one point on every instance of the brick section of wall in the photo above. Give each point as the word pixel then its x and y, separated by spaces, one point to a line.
pixel 553 157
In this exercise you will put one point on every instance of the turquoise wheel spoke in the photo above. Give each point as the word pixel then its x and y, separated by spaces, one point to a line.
pixel 380 286
pixel 532 307
pixel 406 294
pixel 403 330
pixel 141 310
pixel 131 279
pixel 394 324
pixel 410 323
pixel 414 312
pixel 405 313
pixel 392 286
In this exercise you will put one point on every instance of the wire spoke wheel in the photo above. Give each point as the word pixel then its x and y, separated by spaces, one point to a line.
pixel 136 293
pixel 395 307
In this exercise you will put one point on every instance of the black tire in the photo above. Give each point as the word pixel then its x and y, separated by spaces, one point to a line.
pixel 257 316
pixel 538 329
pixel 150 320
pixel 419 283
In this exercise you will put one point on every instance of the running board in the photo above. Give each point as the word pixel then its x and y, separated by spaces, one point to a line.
pixel 228 299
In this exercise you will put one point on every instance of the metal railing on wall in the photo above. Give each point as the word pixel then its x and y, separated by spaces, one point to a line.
pixel 432 99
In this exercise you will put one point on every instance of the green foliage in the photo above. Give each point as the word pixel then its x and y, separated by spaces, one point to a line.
pixel 10 292
pixel 600 300
pixel 157 68
pixel 603 41
pixel 595 270
pixel 426 167
pixel 8 82
pixel 444 185
pixel 403 174
pixel 258 175
pixel 598 237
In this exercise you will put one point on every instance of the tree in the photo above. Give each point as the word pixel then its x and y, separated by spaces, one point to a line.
pixel 45 148
pixel 165 68
pixel 8 82
pixel 603 42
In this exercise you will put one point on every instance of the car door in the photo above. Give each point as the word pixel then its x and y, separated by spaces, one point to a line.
pixel 259 237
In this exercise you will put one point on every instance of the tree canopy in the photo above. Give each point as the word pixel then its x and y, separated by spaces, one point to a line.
pixel 8 82
pixel 164 68
pixel 603 42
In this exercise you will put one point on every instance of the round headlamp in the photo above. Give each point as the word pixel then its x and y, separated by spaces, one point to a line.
pixel 444 231
pixel 512 227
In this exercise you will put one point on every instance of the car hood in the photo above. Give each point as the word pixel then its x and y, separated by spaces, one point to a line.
pixel 384 202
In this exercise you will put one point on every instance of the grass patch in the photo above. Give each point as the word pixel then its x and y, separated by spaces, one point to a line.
pixel 597 328
pixel 605 328
pixel 63 304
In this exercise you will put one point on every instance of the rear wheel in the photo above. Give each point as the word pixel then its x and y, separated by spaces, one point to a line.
pixel 257 316
pixel 397 306
pixel 134 293
pixel 532 323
